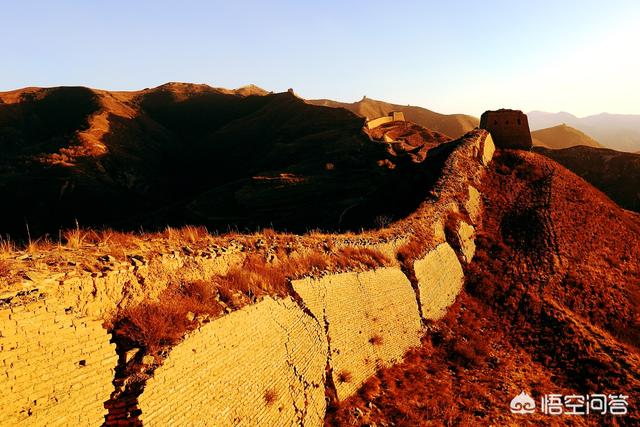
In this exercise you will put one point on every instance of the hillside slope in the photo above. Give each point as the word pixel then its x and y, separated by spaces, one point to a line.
pixel 562 136
pixel 615 173
pixel 452 125
pixel 192 154
pixel 617 131
pixel 551 305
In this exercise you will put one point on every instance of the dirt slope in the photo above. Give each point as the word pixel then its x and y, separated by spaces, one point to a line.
pixel 551 305
pixel 452 125
pixel 615 173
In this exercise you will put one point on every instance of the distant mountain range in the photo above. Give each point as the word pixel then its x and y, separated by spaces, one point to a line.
pixel 617 131
pixel 452 125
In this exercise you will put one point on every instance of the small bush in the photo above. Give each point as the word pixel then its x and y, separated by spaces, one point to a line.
pixel 158 324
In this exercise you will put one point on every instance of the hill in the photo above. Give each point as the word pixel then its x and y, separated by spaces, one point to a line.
pixel 616 131
pixel 452 125
pixel 615 173
pixel 192 154
pixel 551 305
pixel 561 136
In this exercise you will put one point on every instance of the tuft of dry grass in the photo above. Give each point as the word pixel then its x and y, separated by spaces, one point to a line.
pixel 154 325
pixel 7 246
pixel 190 234
pixel 74 238
pixel 39 245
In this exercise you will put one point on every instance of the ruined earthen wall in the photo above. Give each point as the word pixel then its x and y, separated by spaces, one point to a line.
pixel 440 279
pixel 263 365
pixel 372 124
pixel 120 284
pixel 56 368
pixel 372 319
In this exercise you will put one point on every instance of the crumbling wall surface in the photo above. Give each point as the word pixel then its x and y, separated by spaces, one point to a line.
pixel 487 150
pixel 261 365
pixel 98 294
pixel 372 319
pixel 465 237
pixel 440 279
pixel 372 124
pixel 55 368
pixel 473 205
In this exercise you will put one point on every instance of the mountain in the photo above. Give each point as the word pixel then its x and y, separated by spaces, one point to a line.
pixel 616 131
pixel 193 154
pixel 551 305
pixel 452 125
pixel 561 136
pixel 615 173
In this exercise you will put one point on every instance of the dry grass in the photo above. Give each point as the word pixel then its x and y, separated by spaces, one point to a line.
pixel 7 246
pixel 422 238
pixel 5 268
pixel 39 245
pixel 258 277
pixel 75 238
pixel 154 325
pixel 189 234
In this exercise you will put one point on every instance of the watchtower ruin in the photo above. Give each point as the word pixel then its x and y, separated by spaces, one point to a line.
pixel 508 128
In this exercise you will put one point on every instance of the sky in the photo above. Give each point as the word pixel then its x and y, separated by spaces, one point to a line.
pixel 453 57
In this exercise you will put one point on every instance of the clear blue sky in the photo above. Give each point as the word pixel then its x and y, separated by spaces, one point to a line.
pixel 464 56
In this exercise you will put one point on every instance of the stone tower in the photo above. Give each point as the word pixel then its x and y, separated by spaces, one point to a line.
pixel 508 128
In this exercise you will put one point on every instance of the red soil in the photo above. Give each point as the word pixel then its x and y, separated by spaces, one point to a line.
pixel 551 305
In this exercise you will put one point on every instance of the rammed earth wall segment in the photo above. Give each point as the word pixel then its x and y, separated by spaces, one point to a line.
pixel 263 365
pixel 372 319
pixel 55 368
pixel 440 279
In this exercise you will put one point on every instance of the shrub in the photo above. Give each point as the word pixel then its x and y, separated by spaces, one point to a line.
pixel 154 325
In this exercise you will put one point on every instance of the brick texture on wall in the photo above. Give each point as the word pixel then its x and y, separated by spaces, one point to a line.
pixel 440 279
pixel 55 368
pixel 262 365
pixel 372 319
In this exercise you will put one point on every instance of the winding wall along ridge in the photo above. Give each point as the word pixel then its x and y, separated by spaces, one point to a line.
pixel 268 363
